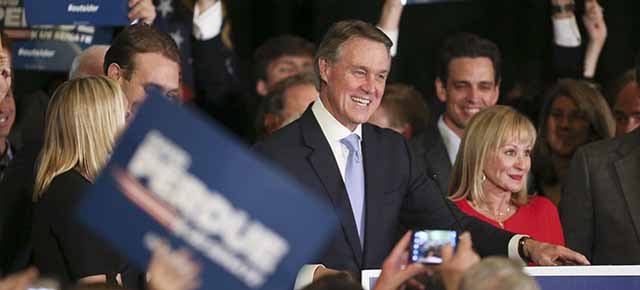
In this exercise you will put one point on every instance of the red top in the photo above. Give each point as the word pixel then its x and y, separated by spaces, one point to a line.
pixel 538 219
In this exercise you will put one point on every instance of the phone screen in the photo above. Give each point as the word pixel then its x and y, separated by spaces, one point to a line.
pixel 426 246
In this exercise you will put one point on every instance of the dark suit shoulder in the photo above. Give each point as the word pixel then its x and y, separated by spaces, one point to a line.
pixel 281 140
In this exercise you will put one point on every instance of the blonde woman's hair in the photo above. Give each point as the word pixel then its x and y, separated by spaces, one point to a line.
pixel 486 133
pixel 82 121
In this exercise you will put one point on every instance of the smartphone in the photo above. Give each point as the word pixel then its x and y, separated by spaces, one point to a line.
pixel 426 245
pixel 44 284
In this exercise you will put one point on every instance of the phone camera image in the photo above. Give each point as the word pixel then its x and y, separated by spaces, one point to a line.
pixel 427 245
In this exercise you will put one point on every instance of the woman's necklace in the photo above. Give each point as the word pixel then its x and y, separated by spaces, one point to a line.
pixel 500 216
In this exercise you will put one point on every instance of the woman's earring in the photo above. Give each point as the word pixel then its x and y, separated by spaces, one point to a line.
pixel 483 177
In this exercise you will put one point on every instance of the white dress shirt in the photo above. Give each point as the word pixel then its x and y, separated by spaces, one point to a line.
pixel 450 139
pixel 207 25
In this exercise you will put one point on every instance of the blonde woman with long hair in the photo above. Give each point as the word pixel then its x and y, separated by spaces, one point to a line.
pixel 489 176
pixel 83 119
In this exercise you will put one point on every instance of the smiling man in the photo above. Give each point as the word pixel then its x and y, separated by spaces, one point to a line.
pixel 365 172
pixel 141 56
pixel 468 80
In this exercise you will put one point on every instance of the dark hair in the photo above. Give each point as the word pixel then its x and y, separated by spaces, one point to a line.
pixel 589 102
pixel 275 99
pixel 341 281
pixel 338 34
pixel 616 86
pixel 405 105
pixel 467 45
pixel 139 38
pixel 274 102
pixel 275 47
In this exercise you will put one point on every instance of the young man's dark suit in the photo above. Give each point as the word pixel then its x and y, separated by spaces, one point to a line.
pixel 600 206
pixel 396 193
pixel 431 154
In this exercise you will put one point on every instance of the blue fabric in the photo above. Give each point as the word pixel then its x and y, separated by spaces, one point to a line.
pixel 354 181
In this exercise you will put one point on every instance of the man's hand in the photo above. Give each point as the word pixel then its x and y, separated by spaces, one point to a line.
pixel 396 270
pixel 172 270
pixel 391 14
pixel 593 20
pixel 143 10
pixel 453 266
pixel 20 280
pixel 323 272
pixel 203 5
pixel 545 254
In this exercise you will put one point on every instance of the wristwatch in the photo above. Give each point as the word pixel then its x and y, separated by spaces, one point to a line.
pixel 562 8
pixel 521 242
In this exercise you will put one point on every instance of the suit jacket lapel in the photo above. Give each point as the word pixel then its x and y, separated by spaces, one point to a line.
pixel 325 166
pixel 374 176
pixel 627 168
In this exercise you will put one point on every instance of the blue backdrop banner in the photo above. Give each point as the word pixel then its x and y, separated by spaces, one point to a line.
pixel 77 12
pixel 176 176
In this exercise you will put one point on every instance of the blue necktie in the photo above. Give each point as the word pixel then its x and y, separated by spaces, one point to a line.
pixel 354 181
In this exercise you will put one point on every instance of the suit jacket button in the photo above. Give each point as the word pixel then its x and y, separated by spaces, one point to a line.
pixel 434 175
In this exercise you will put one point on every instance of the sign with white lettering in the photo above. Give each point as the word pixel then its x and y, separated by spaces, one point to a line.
pixel 85 12
pixel 46 47
pixel 174 176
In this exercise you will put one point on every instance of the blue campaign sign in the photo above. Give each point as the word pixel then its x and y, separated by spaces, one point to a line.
pixel 54 49
pixel 176 176
pixel 88 12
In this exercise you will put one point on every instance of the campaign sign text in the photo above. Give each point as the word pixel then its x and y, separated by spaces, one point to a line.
pixel 177 177
pixel 89 12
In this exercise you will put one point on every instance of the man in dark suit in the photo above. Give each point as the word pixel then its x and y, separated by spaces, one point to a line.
pixel 366 172
pixel 600 205
pixel 468 81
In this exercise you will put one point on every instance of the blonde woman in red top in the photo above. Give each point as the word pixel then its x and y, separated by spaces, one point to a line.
pixel 489 179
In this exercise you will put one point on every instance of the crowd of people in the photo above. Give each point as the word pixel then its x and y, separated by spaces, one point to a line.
pixel 546 182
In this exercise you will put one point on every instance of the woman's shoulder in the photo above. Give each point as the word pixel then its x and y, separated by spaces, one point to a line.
pixel 540 202
pixel 66 187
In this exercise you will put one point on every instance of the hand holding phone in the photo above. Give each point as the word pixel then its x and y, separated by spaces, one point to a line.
pixel 426 245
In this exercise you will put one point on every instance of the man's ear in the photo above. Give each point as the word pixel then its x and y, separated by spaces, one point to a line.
pixel 261 87
pixel 441 90
pixel 115 72
pixel 498 90
pixel 323 68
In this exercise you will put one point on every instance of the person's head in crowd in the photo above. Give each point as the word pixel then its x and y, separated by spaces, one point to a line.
pixel 342 281
pixel 494 157
pixel 83 119
pixel 281 57
pixel 287 100
pixel 351 64
pixel 573 114
pixel 467 78
pixel 139 56
pixel 497 273
pixel 625 99
pixel 90 62
pixel 403 110
pixel 7 101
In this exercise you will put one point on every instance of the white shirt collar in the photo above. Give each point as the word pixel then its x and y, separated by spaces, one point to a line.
pixel 450 139
pixel 332 129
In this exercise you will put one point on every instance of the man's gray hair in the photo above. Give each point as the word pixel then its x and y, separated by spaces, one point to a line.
pixel 497 273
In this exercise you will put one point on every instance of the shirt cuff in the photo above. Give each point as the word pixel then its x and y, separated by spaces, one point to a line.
pixel 566 33
pixel 513 249
pixel 393 35
pixel 207 25
pixel 305 275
